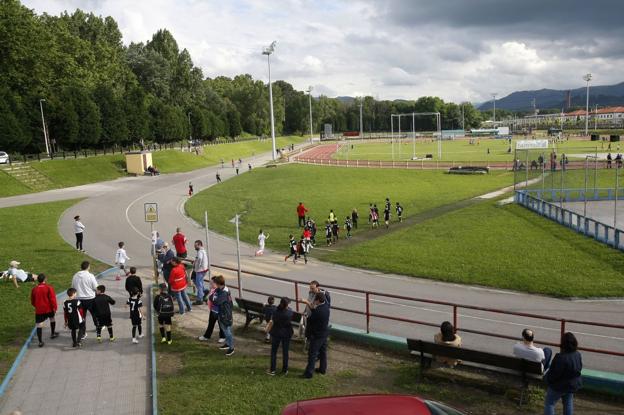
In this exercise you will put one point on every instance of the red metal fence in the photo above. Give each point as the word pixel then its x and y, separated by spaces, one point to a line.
pixel 454 308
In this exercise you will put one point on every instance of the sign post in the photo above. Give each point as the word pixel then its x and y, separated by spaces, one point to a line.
pixel 151 216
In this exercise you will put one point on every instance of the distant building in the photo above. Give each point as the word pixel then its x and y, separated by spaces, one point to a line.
pixel 610 116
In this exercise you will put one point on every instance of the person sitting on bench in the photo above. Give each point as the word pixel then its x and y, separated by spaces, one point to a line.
pixel 526 350
pixel 448 337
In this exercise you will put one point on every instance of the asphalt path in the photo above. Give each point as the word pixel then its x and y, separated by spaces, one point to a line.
pixel 114 211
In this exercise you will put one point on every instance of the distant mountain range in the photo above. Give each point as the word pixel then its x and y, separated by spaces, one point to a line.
pixel 605 95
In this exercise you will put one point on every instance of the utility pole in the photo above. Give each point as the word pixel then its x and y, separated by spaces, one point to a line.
pixel 361 125
pixel 268 51
pixel 45 131
pixel 587 78
pixel 311 124
pixel 494 112
pixel 190 128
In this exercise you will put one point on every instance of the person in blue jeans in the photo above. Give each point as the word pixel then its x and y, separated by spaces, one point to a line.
pixel 564 376
pixel 223 300
pixel 281 330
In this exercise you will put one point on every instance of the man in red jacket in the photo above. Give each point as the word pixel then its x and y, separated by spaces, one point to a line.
pixel 43 298
pixel 301 211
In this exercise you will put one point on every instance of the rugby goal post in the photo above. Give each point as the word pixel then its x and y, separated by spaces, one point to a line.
pixel 414 115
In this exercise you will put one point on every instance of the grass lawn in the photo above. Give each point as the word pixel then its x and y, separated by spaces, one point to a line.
pixel 10 186
pixel 194 377
pixel 504 247
pixel 74 172
pixel 459 150
pixel 30 236
pixel 271 205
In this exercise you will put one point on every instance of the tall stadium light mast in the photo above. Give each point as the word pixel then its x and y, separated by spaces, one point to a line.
pixel 494 111
pixel 45 131
pixel 309 91
pixel 190 128
pixel 361 124
pixel 587 78
pixel 268 51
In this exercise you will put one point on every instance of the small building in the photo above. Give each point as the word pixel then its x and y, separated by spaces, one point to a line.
pixel 137 162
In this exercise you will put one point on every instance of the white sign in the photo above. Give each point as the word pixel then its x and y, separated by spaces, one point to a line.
pixel 151 212
pixel 531 144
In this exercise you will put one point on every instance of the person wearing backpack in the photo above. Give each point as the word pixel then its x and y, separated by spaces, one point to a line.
pixel 163 304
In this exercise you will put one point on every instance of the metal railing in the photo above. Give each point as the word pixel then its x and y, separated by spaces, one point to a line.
pixel 587 226
pixel 454 308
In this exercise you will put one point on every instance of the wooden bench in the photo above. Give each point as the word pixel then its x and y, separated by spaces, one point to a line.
pixel 255 310
pixel 509 364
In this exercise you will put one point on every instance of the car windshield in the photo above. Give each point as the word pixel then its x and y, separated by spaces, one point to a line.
pixel 2 154
pixel 438 408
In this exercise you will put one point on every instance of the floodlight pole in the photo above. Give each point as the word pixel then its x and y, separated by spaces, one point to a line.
pixel 361 125
pixel 587 78
pixel 392 134
pixel 494 111
pixel 617 184
pixel 399 115
pixel 439 136
pixel 268 51
pixel 190 128
pixel 311 125
pixel 413 136
pixel 45 131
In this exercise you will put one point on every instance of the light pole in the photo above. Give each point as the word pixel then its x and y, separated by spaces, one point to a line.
pixel 587 78
pixel 190 128
pixel 45 131
pixel 268 51
pixel 494 112
pixel 361 125
pixel 311 124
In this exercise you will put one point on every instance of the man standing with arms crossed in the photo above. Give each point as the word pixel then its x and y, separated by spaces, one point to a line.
pixel 85 285
pixel 301 212
pixel 200 266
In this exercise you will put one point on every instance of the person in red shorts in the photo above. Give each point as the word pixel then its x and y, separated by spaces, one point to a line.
pixel 179 242
pixel 43 298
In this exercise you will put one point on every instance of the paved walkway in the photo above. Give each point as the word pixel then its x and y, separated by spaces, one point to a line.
pixel 104 379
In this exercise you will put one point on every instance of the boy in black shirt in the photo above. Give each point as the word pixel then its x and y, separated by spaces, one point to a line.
pixel 328 233
pixel 136 315
pixel 134 281
pixel 163 304
pixel 292 243
pixel 399 211
pixel 102 305
pixel 387 215
pixel 268 310
pixel 348 225
pixel 74 317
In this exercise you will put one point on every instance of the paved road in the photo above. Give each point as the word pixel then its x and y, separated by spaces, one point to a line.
pixel 106 378
pixel 118 215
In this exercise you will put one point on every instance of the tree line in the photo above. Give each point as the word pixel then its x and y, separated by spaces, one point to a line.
pixel 97 92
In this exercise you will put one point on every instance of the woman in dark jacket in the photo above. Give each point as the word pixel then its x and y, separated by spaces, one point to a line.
pixel 280 328
pixel 564 376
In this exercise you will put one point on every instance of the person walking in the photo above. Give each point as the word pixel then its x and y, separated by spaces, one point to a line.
pixel 134 281
pixel 317 331
pixel 121 257
pixel 301 213
pixel 261 241
pixel 354 218
pixel 223 300
pixel 564 376
pixel 163 305
pixel 190 189
pixel 102 309
pixel 214 314
pixel 292 244
pixel 200 267
pixel 281 331
pixel 79 232
pixel 178 284
pixel 43 298
pixel 85 285
pixel 166 256
pixel 218 178
pixel 179 242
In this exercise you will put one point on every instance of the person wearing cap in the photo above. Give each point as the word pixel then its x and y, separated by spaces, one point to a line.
pixel 281 331
pixel 78 231
pixel 16 274
pixel 165 257
pixel 317 331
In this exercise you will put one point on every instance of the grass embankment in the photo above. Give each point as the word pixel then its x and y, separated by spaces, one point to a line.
pixel 504 247
pixel 30 235
pixel 74 172
pixel 187 369
pixel 459 150
pixel 267 198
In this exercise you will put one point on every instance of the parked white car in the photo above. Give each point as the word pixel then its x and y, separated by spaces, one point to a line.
pixel 4 157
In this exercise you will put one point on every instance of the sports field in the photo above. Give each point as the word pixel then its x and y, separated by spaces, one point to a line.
pixel 267 198
pixel 504 247
pixel 460 150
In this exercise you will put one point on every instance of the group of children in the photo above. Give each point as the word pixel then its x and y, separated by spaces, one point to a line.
pixel 373 215
pixel 74 312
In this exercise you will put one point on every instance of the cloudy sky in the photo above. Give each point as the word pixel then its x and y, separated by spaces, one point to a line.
pixel 456 49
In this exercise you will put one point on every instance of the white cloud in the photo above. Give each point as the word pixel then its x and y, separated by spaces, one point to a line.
pixel 344 48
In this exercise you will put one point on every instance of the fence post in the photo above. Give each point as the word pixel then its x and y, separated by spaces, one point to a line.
pixel 297 296
pixel 455 317
pixel 563 325
pixel 367 312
